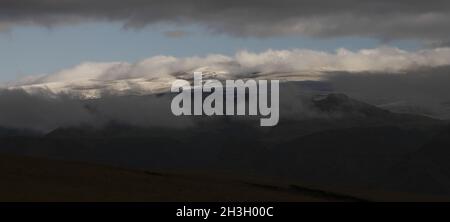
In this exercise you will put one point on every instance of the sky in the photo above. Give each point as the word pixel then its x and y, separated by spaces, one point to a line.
pixel 44 36
pixel 31 50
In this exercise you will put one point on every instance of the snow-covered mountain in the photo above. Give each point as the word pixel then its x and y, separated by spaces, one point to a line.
pixel 92 88
pixel 88 88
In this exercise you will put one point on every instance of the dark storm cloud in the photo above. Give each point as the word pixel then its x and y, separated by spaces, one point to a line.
pixel 384 19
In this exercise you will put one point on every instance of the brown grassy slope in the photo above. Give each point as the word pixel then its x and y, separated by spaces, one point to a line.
pixel 33 179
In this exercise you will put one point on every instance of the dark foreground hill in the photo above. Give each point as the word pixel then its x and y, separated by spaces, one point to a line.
pixel 33 179
pixel 37 179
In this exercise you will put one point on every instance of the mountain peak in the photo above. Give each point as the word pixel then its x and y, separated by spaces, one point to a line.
pixel 341 103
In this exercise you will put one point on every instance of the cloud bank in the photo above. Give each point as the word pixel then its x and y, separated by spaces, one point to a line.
pixel 165 69
pixel 383 19
pixel 39 112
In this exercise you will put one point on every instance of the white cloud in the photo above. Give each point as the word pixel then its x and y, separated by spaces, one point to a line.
pixel 372 60
pixel 155 74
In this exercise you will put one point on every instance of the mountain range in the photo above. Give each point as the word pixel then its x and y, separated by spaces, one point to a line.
pixel 345 145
